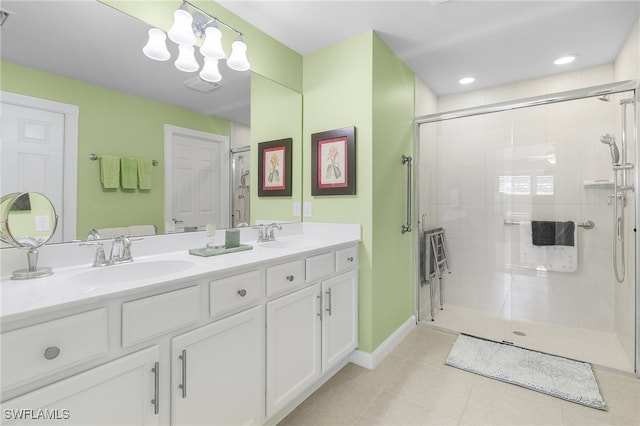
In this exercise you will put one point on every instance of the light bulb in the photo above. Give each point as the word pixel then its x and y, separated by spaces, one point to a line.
pixel 210 70
pixel 156 47
pixel 212 46
pixel 181 32
pixel 186 59
pixel 238 59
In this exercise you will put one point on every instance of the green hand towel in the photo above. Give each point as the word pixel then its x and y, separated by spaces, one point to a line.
pixel 144 173
pixel 110 171
pixel 129 173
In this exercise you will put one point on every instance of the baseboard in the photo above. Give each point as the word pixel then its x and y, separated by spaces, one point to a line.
pixel 372 360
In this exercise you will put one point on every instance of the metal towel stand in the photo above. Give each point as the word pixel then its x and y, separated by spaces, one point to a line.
pixel 434 261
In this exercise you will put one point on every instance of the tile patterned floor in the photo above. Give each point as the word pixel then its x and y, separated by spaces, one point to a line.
pixel 413 386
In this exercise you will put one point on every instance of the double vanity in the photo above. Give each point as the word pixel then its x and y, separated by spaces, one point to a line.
pixel 173 338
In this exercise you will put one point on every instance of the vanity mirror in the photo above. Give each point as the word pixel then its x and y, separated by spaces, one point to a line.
pixel 91 57
pixel 27 221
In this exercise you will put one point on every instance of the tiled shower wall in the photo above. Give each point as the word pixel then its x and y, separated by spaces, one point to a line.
pixel 527 164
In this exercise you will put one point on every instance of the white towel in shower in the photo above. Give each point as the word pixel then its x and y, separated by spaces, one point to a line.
pixel 550 258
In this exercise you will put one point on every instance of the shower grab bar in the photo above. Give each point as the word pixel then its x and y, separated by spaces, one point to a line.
pixel 407 226
pixel 589 224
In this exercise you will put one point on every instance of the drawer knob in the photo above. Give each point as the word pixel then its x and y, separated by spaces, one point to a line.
pixel 51 352
pixel 242 292
pixel 290 277
pixel 350 259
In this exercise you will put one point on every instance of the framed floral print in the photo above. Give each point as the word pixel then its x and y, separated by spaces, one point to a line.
pixel 274 168
pixel 333 162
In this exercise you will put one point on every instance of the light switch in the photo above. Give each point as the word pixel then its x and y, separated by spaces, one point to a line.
pixel 42 223
pixel 308 210
pixel 296 209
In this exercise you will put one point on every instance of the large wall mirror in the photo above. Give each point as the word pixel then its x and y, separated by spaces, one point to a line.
pixel 89 55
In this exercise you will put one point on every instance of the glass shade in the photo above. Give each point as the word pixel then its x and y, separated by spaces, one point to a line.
pixel 186 59
pixel 156 47
pixel 181 32
pixel 238 60
pixel 212 46
pixel 210 71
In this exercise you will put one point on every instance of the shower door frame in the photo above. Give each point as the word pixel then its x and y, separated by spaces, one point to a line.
pixel 587 92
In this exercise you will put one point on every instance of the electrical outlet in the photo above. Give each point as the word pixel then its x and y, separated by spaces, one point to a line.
pixel 308 210
pixel 42 223
pixel 297 209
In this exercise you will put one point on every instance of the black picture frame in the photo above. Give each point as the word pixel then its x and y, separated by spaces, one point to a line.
pixel 274 168
pixel 333 162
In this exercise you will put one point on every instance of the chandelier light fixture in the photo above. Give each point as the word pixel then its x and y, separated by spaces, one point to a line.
pixel 186 27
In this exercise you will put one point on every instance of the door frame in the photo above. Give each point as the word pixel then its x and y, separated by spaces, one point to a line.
pixel 70 112
pixel 222 142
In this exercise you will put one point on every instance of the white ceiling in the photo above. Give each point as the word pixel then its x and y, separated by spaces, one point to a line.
pixel 497 42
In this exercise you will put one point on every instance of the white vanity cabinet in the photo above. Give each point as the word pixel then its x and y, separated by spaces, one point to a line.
pixel 216 372
pixel 311 330
pixel 120 392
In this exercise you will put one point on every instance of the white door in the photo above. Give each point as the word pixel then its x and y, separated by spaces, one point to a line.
pixel 197 184
pixel 217 372
pixel 340 322
pixel 32 154
pixel 293 346
pixel 38 146
pixel 117 393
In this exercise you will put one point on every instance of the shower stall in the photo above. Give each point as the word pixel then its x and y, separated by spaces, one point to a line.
pixel 240 196
pixel 538 202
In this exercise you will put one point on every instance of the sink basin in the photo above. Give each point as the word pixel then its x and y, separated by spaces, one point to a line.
pixel 292 243
pixel 126 272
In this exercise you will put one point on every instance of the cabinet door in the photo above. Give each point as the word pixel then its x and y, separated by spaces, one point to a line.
pixel 340 318
pixel 217 372
pixel 293 346
pixel 121 392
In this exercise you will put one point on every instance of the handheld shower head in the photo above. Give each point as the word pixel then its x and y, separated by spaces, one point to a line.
pixel 610 140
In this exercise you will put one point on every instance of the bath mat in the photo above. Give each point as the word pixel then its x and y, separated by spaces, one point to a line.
pixel 556 376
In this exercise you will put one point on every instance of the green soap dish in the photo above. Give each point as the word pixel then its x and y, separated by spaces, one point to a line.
pixel 218 250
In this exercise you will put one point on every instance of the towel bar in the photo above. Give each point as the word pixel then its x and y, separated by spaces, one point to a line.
pixel 94 157
pixel 589 224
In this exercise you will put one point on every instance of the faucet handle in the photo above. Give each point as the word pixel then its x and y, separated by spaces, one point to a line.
pixel 100 258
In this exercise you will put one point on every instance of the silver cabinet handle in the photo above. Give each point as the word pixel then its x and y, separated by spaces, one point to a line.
pixel 328 309
pixel 183 385
pixel 51 352
pixel 290 278
pixel 242 292
pixel 156 388
pixel 350 258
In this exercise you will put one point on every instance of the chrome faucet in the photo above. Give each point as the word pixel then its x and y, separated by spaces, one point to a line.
pixel 265 232
pixel 120 251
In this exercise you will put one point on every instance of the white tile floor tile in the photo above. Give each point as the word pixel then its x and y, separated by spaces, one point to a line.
pixel 413 386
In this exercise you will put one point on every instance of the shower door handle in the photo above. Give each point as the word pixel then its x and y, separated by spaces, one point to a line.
pixel 407 226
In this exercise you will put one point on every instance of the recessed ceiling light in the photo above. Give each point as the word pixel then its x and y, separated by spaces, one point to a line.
pixel 565 60
pixel 466 80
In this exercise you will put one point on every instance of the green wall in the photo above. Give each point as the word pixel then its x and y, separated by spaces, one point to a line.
pixel 276 113
pixel 360 82
pixel 393 261
pixel 114 123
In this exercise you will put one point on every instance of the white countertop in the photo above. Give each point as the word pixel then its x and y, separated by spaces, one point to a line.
pixel 166 259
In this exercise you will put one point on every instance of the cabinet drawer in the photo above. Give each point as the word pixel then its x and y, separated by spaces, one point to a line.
pixel 33 352
pixel 156 315
pixel 233 292
pixel 346 258
pixel 286 276
pixel 319 266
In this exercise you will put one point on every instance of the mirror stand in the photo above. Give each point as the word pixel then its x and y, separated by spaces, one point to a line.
pixel 32 271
